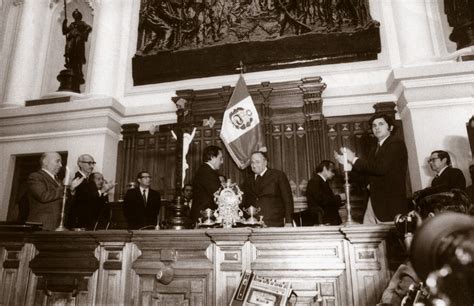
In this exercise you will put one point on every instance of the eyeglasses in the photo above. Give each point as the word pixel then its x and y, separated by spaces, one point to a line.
pixel 146 176
pixel 90 163
pixel 433 159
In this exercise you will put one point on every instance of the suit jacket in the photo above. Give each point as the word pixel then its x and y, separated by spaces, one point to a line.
pixel 45 199
pixel 272 194
pixel 88 205
pixel 205 183
pixel 450 178
pixel 321 197
pixel 386 172
pixel 136 213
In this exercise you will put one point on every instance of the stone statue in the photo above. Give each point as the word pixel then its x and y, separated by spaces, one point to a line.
pixel 77 34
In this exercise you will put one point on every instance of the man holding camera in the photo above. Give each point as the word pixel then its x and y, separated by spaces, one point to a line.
pixel 405 276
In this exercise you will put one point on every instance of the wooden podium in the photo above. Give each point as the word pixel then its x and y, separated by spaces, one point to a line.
pixel 330 264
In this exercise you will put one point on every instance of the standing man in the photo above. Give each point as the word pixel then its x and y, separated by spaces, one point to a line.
pixel 78 210
pixel 188 194
pixel 385 168
pixel 206 181
pixel 269 190
pixel 45 192
pixel 141 205
pixel 100 212
pixel 323 204
pixel 446 177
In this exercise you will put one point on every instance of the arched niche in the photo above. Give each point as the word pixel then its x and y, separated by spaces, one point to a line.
pixel 57 41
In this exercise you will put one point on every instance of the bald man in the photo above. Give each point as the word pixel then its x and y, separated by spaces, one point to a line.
pixel 45 192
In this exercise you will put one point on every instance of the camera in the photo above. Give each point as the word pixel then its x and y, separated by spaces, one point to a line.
pixel 406 224
pixel 442 254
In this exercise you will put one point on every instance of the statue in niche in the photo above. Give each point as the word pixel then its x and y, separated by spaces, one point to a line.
pixel 77 34
pixel 191 24
pixel 460 15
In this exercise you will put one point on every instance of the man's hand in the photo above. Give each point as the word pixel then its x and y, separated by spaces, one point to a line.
pixel 108 186
pixel 350 155
pixel 76 182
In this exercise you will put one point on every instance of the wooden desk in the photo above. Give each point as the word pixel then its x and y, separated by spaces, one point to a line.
pixel 335 265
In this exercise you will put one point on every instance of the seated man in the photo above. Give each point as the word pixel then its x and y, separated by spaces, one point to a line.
pixel 269 190
pixel 323 204
pixel 405 276
pixel 446 176
pixel 141 205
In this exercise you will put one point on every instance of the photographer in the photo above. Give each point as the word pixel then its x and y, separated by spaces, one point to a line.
pixel 405 276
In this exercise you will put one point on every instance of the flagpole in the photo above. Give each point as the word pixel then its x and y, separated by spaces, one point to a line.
pixel 241 68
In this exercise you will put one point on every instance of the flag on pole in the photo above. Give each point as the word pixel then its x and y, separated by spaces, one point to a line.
pixel 241 131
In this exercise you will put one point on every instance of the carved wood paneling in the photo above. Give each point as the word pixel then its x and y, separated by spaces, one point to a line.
pixel 298 137
pixel 326 265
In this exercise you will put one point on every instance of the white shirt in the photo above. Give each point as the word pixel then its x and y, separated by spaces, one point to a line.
pixel 210 165
pixel 321 177
pixel 261 174
pixel 383 140
pixel 441 171
pixel 146 191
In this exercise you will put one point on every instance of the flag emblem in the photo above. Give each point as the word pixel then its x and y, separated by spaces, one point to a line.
pixel 241 118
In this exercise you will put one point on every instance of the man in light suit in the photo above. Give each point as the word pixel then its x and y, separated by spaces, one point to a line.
pixel 45 192
pixel 386 169
pixel 141 205
pixel 206 181
pixel 269 190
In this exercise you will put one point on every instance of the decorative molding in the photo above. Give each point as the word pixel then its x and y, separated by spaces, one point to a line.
pixel 62 134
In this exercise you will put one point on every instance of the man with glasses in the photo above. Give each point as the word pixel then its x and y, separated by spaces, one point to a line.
pixel 81 206
pixel 323 204
pixel 85 164
pixel 446 177
pixel 141 205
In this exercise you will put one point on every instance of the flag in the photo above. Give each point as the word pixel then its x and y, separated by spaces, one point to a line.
pixel 241 131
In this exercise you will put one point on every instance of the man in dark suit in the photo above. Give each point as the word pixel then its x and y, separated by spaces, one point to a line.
pixel 386 169
pixel 269 190
pixel 141 205
pixel 446 177
pixel 77 214
pixel 45 192
pixel 206 182
pixel 323 204
pixel 94 203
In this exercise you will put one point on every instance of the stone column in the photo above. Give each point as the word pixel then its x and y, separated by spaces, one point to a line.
pixel 111 27
pixel 21 83
pixel 413 31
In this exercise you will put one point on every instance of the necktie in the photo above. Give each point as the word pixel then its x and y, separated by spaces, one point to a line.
pixel 257 178
pixel 144 196
pixel 378 148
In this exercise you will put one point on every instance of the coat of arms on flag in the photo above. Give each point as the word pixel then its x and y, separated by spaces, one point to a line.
pixel 241 131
